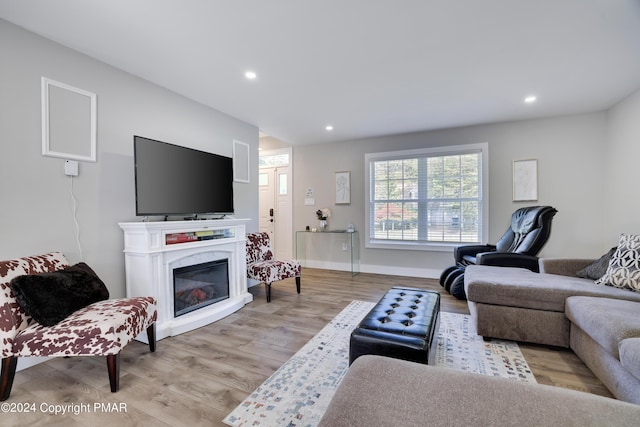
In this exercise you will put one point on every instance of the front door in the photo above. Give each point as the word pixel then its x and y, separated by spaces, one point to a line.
pixel 275 208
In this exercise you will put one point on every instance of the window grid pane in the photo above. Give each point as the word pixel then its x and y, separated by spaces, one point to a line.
pixel 428 198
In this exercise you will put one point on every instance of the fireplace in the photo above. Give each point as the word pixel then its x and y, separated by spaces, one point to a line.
pixel 156 250
pixel 200 285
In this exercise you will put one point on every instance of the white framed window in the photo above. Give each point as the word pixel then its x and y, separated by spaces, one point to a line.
pixel 427 199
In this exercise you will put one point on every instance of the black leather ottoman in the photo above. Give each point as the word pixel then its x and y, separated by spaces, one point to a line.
pixel 403 325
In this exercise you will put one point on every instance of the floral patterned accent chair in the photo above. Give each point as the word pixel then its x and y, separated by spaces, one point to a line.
pixel 262 267
pixel 100 328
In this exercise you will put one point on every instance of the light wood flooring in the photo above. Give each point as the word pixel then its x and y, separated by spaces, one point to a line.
pixel 195 379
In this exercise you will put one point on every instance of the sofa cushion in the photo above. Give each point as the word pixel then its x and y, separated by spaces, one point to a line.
pixel 597 268
pixel 607 321
pixel 273 270
pixel 624 266
pixel 519 287
pixel 100 329
pixel 629 350
pixel 380 391
pixel 50 297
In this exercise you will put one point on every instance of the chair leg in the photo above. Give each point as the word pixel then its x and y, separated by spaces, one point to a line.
pixel 113 365
pixel 8 374
pixel 151 337
pixel 298 284
pixel 267 287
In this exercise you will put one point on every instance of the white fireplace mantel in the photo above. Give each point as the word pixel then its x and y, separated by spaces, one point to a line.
pixel 153 249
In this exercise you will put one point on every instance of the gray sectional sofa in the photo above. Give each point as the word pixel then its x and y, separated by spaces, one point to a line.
pixel 601 324
pixel 380 391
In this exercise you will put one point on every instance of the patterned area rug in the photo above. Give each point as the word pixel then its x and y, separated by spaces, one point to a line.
pixel 461 349
pixel 299 392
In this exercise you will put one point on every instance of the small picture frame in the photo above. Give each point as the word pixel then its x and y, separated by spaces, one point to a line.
pixel 525 180
pixel 343 187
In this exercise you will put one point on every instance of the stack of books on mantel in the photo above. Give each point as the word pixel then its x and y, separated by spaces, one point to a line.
pixel 195 236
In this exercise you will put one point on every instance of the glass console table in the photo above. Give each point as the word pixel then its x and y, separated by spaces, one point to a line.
pixel 325 246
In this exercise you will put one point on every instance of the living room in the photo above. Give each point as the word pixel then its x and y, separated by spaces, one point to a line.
pixel 582 164
pixel 585 161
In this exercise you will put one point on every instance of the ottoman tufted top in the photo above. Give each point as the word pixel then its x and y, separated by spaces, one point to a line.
pixel 404 311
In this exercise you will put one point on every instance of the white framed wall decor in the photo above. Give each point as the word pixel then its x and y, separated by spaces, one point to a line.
pixel 241 156
pixel 525 180
pixel 68 121
pixel 343 188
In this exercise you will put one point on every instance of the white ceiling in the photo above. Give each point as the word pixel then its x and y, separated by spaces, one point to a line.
pixel 368 67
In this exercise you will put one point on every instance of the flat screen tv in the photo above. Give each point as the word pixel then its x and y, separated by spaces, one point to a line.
pixel 175 180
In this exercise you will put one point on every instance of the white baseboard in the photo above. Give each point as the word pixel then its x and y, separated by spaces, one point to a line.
pixel 27 362
pixel 252 282
pixel 427 273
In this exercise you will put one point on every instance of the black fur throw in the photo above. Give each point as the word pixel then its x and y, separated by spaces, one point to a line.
pixel 50 297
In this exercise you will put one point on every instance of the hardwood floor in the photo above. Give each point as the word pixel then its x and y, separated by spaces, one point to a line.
pixel 198 377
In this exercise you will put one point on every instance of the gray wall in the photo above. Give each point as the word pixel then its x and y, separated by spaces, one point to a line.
pixel 586 163
pixel 571 155
pixel 36 211
pixel 621 204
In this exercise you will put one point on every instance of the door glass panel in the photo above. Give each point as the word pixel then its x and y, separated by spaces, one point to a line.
pixel 282 184
pixel 274 160
pixel 263 179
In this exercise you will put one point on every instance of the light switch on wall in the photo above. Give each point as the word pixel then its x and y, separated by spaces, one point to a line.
pixel 71 168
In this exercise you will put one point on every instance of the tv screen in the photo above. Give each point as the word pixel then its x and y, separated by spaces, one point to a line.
pixel 175 180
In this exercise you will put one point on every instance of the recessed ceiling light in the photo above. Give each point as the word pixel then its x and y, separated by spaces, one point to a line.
pixel 250 75
pixel 530 99
pixel 329 127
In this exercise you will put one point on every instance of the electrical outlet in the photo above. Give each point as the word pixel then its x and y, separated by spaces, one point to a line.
pixel 344 246
pixel 71 168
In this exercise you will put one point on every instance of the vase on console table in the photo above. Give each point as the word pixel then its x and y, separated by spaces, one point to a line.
pixel 323 215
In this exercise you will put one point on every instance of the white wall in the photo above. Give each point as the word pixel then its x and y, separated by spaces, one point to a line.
pixel 36 209
pixel 621 201
pixel 570 152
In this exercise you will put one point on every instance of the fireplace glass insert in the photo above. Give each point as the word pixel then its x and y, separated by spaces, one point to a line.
pixel 200 285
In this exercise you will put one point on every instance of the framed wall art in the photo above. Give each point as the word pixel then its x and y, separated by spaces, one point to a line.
pixel 525 180
pixel 68 121
pixel 241 156
pixel 343 188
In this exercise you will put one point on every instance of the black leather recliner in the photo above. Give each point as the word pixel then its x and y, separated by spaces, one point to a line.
pixel 518 247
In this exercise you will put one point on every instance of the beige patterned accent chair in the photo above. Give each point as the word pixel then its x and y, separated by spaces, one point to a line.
pixel 263 267
pixel 102 328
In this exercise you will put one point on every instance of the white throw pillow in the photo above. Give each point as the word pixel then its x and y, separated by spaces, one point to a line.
pixel 624 266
